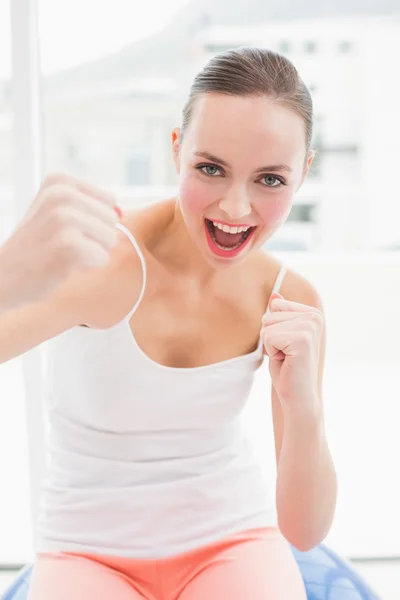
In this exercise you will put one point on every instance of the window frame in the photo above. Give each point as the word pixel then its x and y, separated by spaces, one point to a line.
pixel 27 174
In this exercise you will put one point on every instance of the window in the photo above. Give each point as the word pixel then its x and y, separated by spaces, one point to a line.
pixel 217 48
pixel 345 47
pixel 138 170
pixel 310 47
pixel 284 47
pixel 15 528
pixel 301 213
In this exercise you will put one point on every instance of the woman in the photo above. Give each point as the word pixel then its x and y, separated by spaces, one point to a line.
pixel 151 490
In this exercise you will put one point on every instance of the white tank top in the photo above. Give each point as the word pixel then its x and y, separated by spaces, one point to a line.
pixel 145 460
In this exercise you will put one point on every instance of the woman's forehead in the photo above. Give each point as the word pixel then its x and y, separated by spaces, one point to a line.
pixel 259 122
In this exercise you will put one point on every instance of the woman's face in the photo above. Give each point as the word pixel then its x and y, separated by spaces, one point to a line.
pixel 240 163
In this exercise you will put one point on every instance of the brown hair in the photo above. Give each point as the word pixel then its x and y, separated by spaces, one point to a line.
pixel 252 71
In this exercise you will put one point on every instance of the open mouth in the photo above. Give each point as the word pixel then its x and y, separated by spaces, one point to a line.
pixel 225 240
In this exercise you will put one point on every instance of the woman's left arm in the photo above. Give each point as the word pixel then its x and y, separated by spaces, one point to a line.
pixel 294 339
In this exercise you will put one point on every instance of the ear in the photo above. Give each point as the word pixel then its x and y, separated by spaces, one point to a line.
pixel 176 134
pixel 307 166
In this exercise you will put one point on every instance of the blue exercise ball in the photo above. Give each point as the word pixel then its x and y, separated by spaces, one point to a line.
pixel 326 577
pixel 20 587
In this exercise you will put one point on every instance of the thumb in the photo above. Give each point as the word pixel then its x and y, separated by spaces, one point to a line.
pixel 274 296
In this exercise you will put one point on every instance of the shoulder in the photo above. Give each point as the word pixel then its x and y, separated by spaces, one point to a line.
pixel 297 288
pixel 147 223
pixel 294 286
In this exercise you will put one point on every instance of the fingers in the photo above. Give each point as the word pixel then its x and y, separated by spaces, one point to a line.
pixel 292 343
pixel 78 214
pixel 290 325
pixel 276 295
pixel 278 303
pixel 80 221
pixel 277 317
pixel 281 316
pixel 60 179
pixel 91 226
pixel 292 335
pixel 77 253
pixel 69 226
pixel 276 348
pixel 63 198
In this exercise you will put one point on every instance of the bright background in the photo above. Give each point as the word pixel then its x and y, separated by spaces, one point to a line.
pixel 113 80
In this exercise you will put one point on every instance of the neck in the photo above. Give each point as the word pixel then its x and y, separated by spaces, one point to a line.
pixel 177 249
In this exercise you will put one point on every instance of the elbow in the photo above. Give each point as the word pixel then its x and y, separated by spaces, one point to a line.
pixel 302 540
pixel 304 544
pixel 305 531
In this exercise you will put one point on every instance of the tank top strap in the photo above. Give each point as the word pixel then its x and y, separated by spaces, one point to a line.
pixel 278 283
pixel 136 246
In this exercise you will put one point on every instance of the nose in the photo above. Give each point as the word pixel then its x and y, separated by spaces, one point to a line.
pixel 236 203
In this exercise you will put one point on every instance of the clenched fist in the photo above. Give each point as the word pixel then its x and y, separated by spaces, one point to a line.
pixel 70 226
pixel 292 335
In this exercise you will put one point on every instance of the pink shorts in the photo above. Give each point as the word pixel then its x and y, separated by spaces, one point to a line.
pixel 254 565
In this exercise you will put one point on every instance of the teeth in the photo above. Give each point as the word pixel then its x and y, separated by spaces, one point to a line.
pixel 229 229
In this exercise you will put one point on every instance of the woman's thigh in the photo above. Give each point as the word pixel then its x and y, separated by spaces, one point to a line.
pixel 66 577
pixel 262 568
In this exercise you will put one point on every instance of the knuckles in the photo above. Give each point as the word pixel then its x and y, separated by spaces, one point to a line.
pixel 58 194
pixel 306 328
pixel 55 179
pixel 314 318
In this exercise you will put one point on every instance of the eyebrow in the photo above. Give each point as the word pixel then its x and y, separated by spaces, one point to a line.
pixel 220 161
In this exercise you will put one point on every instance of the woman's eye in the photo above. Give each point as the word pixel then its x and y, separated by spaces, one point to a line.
pixel 271 181
pixel 210 170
